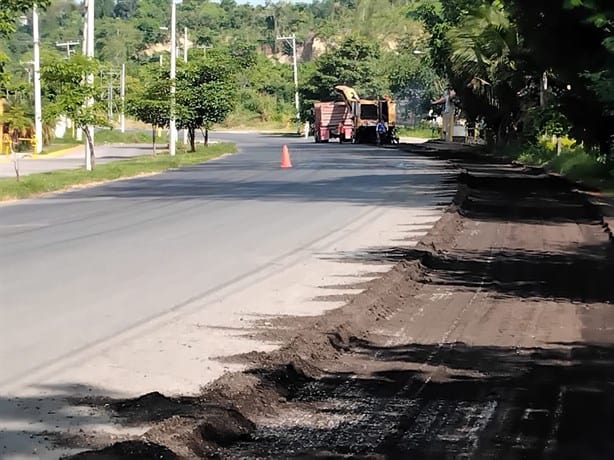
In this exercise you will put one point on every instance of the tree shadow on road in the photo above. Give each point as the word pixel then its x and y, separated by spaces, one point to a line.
pixel 385 190
pixel 580 274
pixel 56 415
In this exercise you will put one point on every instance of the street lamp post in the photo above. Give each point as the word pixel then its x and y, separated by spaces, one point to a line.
pixel 79 131
pixel 292 40
pixel 38 119
pixel 122 95
pixel 185 59
pixel 90 78
pixel 172 128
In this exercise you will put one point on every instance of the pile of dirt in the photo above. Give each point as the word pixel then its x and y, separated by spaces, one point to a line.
pixel 457 351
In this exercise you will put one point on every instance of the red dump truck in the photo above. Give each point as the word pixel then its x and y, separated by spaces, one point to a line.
pixel 333 120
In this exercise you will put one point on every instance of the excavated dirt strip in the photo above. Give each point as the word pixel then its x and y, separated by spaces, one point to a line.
pixel 492 339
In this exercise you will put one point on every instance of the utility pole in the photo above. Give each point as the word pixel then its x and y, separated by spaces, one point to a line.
pixel 204 48
pixel 38 119
pixel 90 78
pixel 122 95
pixel 185 59
pixel 172 128
pixel 79 131
pixel 110 75
pixel 29 70
pixel 185 44
pixel 110 97
pixel 292 40
pixel 543 87
pixel 67 44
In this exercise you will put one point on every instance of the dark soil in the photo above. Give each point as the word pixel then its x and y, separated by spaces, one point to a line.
pixel 490 339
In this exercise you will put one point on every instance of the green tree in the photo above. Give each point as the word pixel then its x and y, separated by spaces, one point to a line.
pixel 117 41
pixel 151 103
pixel 149 17
pixel 355 62
pixel 104 8
pixel 206 94
pixel 10 10
pixel 483 69
pixel 67 93
pixel 573 41
pixel 124 9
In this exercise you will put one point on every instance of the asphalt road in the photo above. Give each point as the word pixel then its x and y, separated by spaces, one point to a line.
pixel 95 283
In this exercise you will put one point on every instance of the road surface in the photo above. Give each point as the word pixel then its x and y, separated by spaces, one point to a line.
pixel 139 285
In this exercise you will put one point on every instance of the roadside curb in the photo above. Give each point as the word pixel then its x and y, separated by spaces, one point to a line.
pixel 57 153
pixel 38 156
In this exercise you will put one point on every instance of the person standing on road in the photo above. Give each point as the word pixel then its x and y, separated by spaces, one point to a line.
pixel 448 112
pixel 380 131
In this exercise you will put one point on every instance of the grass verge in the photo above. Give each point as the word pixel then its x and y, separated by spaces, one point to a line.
pixel 112 136
pixel 35 184
pixel 56 147
pixel 425 133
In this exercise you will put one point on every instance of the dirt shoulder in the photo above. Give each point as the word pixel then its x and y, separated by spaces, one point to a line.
pixel 490 339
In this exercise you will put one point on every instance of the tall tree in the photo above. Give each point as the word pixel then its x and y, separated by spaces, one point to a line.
pixel 150 103
pixel 355 62
pixel 483 68
pixel 10 10
pixel 67 93
pixel 206 94
pixel 573 40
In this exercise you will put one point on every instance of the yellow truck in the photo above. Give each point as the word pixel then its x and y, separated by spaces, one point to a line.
pixel 365 115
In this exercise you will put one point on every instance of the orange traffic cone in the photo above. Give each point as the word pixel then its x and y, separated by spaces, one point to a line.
pixel 285 157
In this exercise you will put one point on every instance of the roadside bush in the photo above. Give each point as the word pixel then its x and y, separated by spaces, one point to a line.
pixel 530 154
pixel 577 164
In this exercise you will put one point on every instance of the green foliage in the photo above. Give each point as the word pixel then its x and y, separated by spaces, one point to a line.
pixel 113 136
pixel 10 10
pixel 421 132
pixel 356 63
pixel 492 52
pixel 206 93
pixel 104 8
pixel 17 114
pixel 117 40
pixel 66 92
pixel 573 42
pixel 578 165
pixel 547 121
pixel 150 103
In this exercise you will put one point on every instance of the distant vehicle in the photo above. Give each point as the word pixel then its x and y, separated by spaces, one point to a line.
pixel 332 120
pixel 366 113
pixel 354 119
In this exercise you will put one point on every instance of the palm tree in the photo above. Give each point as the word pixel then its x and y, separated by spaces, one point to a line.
pixel 482 57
